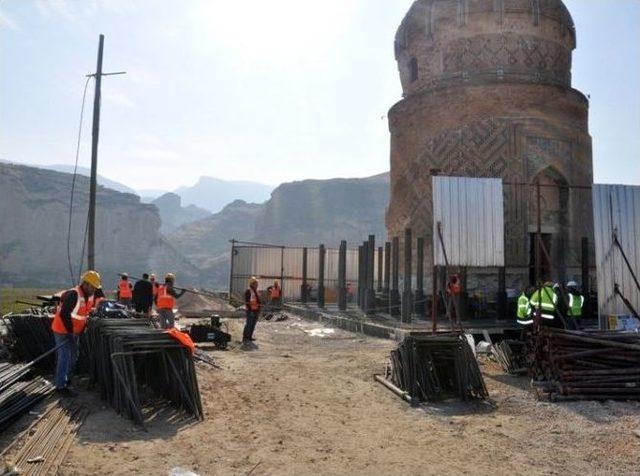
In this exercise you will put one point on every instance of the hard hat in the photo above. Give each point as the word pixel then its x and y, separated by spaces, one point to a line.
pixel 152 275
pixel 91 277
pixel 253 280
pixel 170 277
pixel 549 283
pixel 572 284
pixel 124 275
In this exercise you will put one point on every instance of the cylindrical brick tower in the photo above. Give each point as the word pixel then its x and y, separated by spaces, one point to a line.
pixel 487 93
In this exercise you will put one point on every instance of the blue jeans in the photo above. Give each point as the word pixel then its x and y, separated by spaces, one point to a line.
pixel 66 356
pixel 250 325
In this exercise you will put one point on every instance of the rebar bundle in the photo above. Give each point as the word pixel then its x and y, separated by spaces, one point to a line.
pixel 135 365
pixel 47 441
pixel 30 335
pixel 511 356
pixel 18 395
pixel 578 365
pixel 437 367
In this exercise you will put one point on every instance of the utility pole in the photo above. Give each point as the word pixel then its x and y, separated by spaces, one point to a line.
pixel 95 133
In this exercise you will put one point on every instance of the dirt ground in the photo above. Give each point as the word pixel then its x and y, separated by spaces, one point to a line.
pixel 307 404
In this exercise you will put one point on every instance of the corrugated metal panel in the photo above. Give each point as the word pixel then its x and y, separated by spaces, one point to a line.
pixel 270 262
pixel 471 214
pixel 616 207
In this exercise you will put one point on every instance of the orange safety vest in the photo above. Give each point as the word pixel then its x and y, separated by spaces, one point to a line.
pixel 125 289
pixel 254 303
pixel 79 314
pixel 275 292
pixel 165 300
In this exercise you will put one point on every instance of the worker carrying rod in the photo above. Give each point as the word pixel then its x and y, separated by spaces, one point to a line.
pixel 68 323
pixel 166 301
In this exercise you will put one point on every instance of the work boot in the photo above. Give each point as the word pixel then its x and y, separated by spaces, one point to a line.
pixel 66 392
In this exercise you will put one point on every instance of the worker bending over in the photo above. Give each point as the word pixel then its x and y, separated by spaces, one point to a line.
pixel 68 323
pixel 252 304
pixel 275 296
pixel 166 301
pixel 125 290
pixel 545 299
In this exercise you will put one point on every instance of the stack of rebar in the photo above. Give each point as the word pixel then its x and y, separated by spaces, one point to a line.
pixel 437 367
pixel 46 442
pixel 578 365
pixel 17 393
pixel 30 335
pixel 135 366
pixel 511 356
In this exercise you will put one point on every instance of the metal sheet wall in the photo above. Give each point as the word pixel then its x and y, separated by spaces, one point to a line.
pixel 471 214
pixel 269 263
pixel 616 207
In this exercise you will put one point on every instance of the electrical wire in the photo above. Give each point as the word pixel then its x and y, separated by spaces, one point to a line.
pixel 73 182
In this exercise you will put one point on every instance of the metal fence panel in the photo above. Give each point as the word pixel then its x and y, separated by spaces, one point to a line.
pixel 471 216
pixel 616 207
pixel 273 262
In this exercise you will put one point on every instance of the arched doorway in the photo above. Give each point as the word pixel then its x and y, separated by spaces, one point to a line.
pixel 553 217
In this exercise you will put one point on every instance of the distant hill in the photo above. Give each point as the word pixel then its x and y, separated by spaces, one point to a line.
pixel 213 194
pixel 34 207
pixel 105 182
pixel 304 213
pixel 173 215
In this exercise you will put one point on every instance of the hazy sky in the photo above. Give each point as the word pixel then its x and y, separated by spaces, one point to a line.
pixel 264 90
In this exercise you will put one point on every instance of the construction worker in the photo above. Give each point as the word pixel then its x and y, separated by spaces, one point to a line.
pixel 576 300
pixel 143 295
pixel 68 323
pixel 546 300
pixel 275 294
pixel 524 315
pixel 166 301
pixel 125 290
pixel 155 284
pixel 252 304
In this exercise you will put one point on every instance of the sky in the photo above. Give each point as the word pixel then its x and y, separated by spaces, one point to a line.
pixel 263 90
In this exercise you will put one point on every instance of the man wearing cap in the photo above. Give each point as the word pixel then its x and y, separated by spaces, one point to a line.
pixel 68 323
pixel 252 304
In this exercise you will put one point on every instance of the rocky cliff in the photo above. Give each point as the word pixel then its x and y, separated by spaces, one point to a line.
pixel 34 218
pixel 173 215
pixel 303 213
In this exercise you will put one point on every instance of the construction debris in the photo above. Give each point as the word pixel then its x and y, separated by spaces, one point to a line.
pixel 578 365
pixel 434 368
pixel 46 442
pixel 511 356
pixel 135 365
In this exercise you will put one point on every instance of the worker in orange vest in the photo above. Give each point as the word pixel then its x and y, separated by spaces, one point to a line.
pixel 68 323
pixel 166 301
pixel 275 295
pixel 252 305
pixel 125 290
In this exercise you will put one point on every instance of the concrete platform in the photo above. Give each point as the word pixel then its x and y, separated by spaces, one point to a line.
pixel 388 327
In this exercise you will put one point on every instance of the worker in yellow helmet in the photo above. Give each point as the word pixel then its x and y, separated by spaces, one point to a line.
pixel 68 323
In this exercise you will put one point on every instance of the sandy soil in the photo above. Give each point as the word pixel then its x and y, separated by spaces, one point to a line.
pixel 302 404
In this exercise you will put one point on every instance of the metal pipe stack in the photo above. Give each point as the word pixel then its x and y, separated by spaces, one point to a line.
pixel 133 365
pixel 30 335
pixel 437 367
pixel 578 365
pixel 18 395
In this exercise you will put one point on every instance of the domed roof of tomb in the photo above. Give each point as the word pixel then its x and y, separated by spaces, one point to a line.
pixel 443 43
